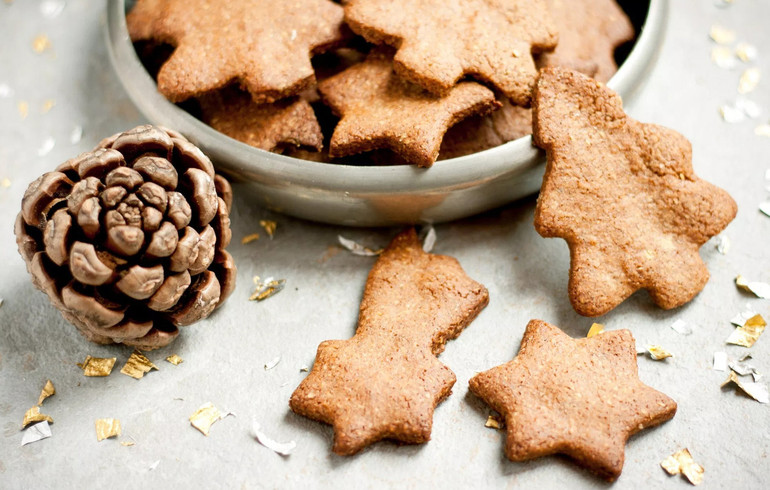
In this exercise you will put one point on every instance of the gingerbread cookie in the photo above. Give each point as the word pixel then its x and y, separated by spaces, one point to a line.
pixel 578 397
pixel 623 195
pixel 265 46
pixel 589 32
pixel 440 41
pixel 271 127
pixel 381 110
pixel 385 382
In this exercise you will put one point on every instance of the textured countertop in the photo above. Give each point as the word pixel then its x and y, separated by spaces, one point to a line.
pixel 70 85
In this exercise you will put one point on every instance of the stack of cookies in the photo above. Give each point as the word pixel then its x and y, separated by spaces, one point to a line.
pixel 387 78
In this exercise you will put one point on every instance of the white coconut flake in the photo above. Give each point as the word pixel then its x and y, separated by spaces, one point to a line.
pixel 720 361
pixel 749 107
pixel 154 465
pixel 722 35
pixel 76 135
pixel 762 130
pixel 271 364
pixel 282 448
pixel 5 91
pixel 732 114
pixel 749 80
pixel 746 52
pixel 723 57
pixel 428 235
pixel 52 8
pixel 35 433
pixel 356 248
pixel 681 327
pixel 46 147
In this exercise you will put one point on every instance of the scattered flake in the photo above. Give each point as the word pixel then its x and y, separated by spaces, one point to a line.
pixel 732 114
pixel 749 333
pixel 37 432
pixel 749 80
pixel 33 416
pixel 154 465
pixel 681 462
pixel 128 443
pixel 41 43
pixel 106 428
pixel 205 417
pixel 23 107
pixel 723 244
pixel 52 8
pixel 137 365
pixel 741 318
pixel 304 369
pixel 723 57
pixel 757 391
pixel 175 359
pixel 759 289
pixel 746 52
pixel 494 422
pixel 428 237
pixel 6 182
pixel 97 366
pixel 681 327
pixel 266 289
pixel 282 448
pixel 595 329
pixel 249 238
pixel 765 208
pixel 269 227
pixel 48 390
pixel 743 368
pixel 357 248
pixel 5 91
pixel 749 107
pixel 762 130
pixel 1 302
pixel 721 35
pixel 285 383
pixel 270 365
pixel 48 105
pixel 720 361
pixel 46 147
pixel 293 34
pixel 658 353
pixel 76 135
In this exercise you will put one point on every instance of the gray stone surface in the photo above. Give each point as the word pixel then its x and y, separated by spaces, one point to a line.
pixel 727 433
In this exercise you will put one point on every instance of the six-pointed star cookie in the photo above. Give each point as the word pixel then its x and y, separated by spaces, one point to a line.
pixel 579 397
pixel 589 32
pixel 290 122
pixel 623 195
pixel 385 382
pixel 217 42
pixel 381 110
pixel 440 41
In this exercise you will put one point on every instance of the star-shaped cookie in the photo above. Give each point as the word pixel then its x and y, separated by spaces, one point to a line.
pixel 385 382
pixel 589 32
pixel 379 109
pixel 265 45
pixel 623 195
pixel 440 41
pixel 578 397
pixel 286 123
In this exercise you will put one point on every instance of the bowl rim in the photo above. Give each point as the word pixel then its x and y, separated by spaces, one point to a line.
pixel 244 161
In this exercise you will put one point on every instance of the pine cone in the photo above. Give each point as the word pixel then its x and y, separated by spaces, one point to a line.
pixel 128 240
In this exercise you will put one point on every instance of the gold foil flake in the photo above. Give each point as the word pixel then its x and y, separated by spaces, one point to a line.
pixel 723 57
pixel 266 289
pixel 127 443
pixel 249 238
pixel 304 369
pixel 746 52
pixel 273 363
pixel 757 391
pixel 681 327
pixel 721 35
pixel 595 329
pixel 48 390
pixel 749 333
pixel 137 366
pixel 749 80
pixel 5 182
pixel 758 289
pixel 205 417
pixel 97 366
pixel 48 105
pixel 762 130
pixel 494 422
pixel 356 248
pixel 33 416
pixel 106 428
pixel 23 107
pixel 41 43
pixel 743 368
pixel 269 227
pixel 428 238
pixel 658 353
pixel 37 432
pixel 681 462
pixel 282 448
pixel 175 359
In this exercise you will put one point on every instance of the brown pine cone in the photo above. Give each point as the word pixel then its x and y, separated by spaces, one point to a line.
pixel 128 240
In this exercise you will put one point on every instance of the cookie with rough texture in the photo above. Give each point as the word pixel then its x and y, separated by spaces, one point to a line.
pixel 266 46
pixel 578 397
pixel 623 195
pixel 271 127
pixel 589 32
pixel 378 109
pixel 479 133
pixel 385 382
pixel 441 41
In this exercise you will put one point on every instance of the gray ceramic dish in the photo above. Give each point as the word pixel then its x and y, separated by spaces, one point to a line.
pixel 371 196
